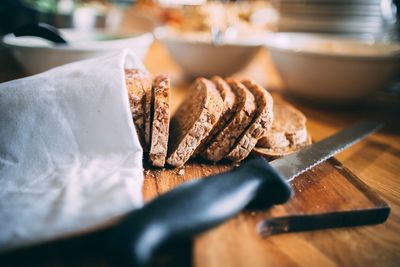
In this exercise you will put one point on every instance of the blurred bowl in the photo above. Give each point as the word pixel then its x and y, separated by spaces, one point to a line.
pixel 198 56
pixel 37 55
pixel 332 68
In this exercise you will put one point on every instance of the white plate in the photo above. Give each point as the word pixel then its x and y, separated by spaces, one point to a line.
pixel 37 55
pixel 331 68
pixel 198 56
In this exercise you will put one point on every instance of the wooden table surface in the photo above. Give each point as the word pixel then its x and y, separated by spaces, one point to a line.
pixel 376 161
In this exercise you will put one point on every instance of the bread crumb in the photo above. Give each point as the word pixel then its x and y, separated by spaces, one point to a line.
pixel 181 172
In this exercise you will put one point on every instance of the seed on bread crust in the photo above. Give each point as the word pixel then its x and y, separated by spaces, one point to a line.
pixel 160 123
pixel 261 123
pixel 193 121
pixel 138 84
pixel 223 142
pixel 228 110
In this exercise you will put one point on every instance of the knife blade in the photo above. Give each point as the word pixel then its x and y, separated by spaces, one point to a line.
pixel 296 163
pixel 198 205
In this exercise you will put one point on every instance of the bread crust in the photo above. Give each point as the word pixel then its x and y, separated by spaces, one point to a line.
pixel 193 121
pixel 259 126
pixel 223 142
pixel 148 114
pixel 229 106
pixel 160 121
pixel 138 84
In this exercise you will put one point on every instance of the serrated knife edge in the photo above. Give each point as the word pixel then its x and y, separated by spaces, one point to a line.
pixel 308 157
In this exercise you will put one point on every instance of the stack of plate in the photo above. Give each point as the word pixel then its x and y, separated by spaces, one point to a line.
pixel 372 17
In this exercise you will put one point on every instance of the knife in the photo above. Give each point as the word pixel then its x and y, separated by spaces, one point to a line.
pixel 198 205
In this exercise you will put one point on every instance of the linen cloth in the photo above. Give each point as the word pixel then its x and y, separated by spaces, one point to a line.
pixel 70 159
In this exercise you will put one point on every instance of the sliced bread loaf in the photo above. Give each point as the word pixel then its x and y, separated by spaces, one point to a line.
pixel 223 142
pixel 193 121
pixel 138 84
pixel 288 132
pixel 160 121
pixel 261 123
pixel 228 109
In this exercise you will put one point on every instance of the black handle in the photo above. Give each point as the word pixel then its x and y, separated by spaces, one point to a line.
pixel 41 30
pixel 194 207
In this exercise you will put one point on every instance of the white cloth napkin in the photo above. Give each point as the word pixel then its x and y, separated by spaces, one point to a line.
pixel 70 159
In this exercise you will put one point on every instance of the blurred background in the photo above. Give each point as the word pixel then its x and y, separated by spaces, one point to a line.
pixel 202 38
pixel 368 18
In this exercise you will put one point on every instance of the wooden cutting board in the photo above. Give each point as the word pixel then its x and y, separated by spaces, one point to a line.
pixel 326 196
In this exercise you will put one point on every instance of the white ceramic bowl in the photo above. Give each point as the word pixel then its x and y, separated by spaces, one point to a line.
pixel 331 68
pixel 200 57
pixel 36 55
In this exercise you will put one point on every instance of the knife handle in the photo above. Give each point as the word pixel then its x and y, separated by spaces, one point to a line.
pixel 194 207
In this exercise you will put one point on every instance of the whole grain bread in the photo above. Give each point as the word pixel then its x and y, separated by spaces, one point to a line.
pixel 259 126
pixel 273 153
pixel 138 84
pixel 288 132
pixel 288 129
pixel 193 121
pixel 229 100
pixel 160 121
pixel 223 142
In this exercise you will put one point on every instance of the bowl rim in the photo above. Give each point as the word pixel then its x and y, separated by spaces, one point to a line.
pixel 271 44
pixel 160 34
pixel 147 37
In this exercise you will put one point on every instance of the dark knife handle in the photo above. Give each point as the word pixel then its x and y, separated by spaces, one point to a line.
pixel 194 207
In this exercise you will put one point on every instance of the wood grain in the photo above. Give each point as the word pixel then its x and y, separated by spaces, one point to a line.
pixel 326 196
pixel 327 188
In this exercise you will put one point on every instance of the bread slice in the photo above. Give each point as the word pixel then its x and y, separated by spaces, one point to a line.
pixel 228 109
pixel 223 142
pixel 261 123
pixel 193 121
pixel 273 153
pixel 288 132
pixel 138 84
pixel 160 121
